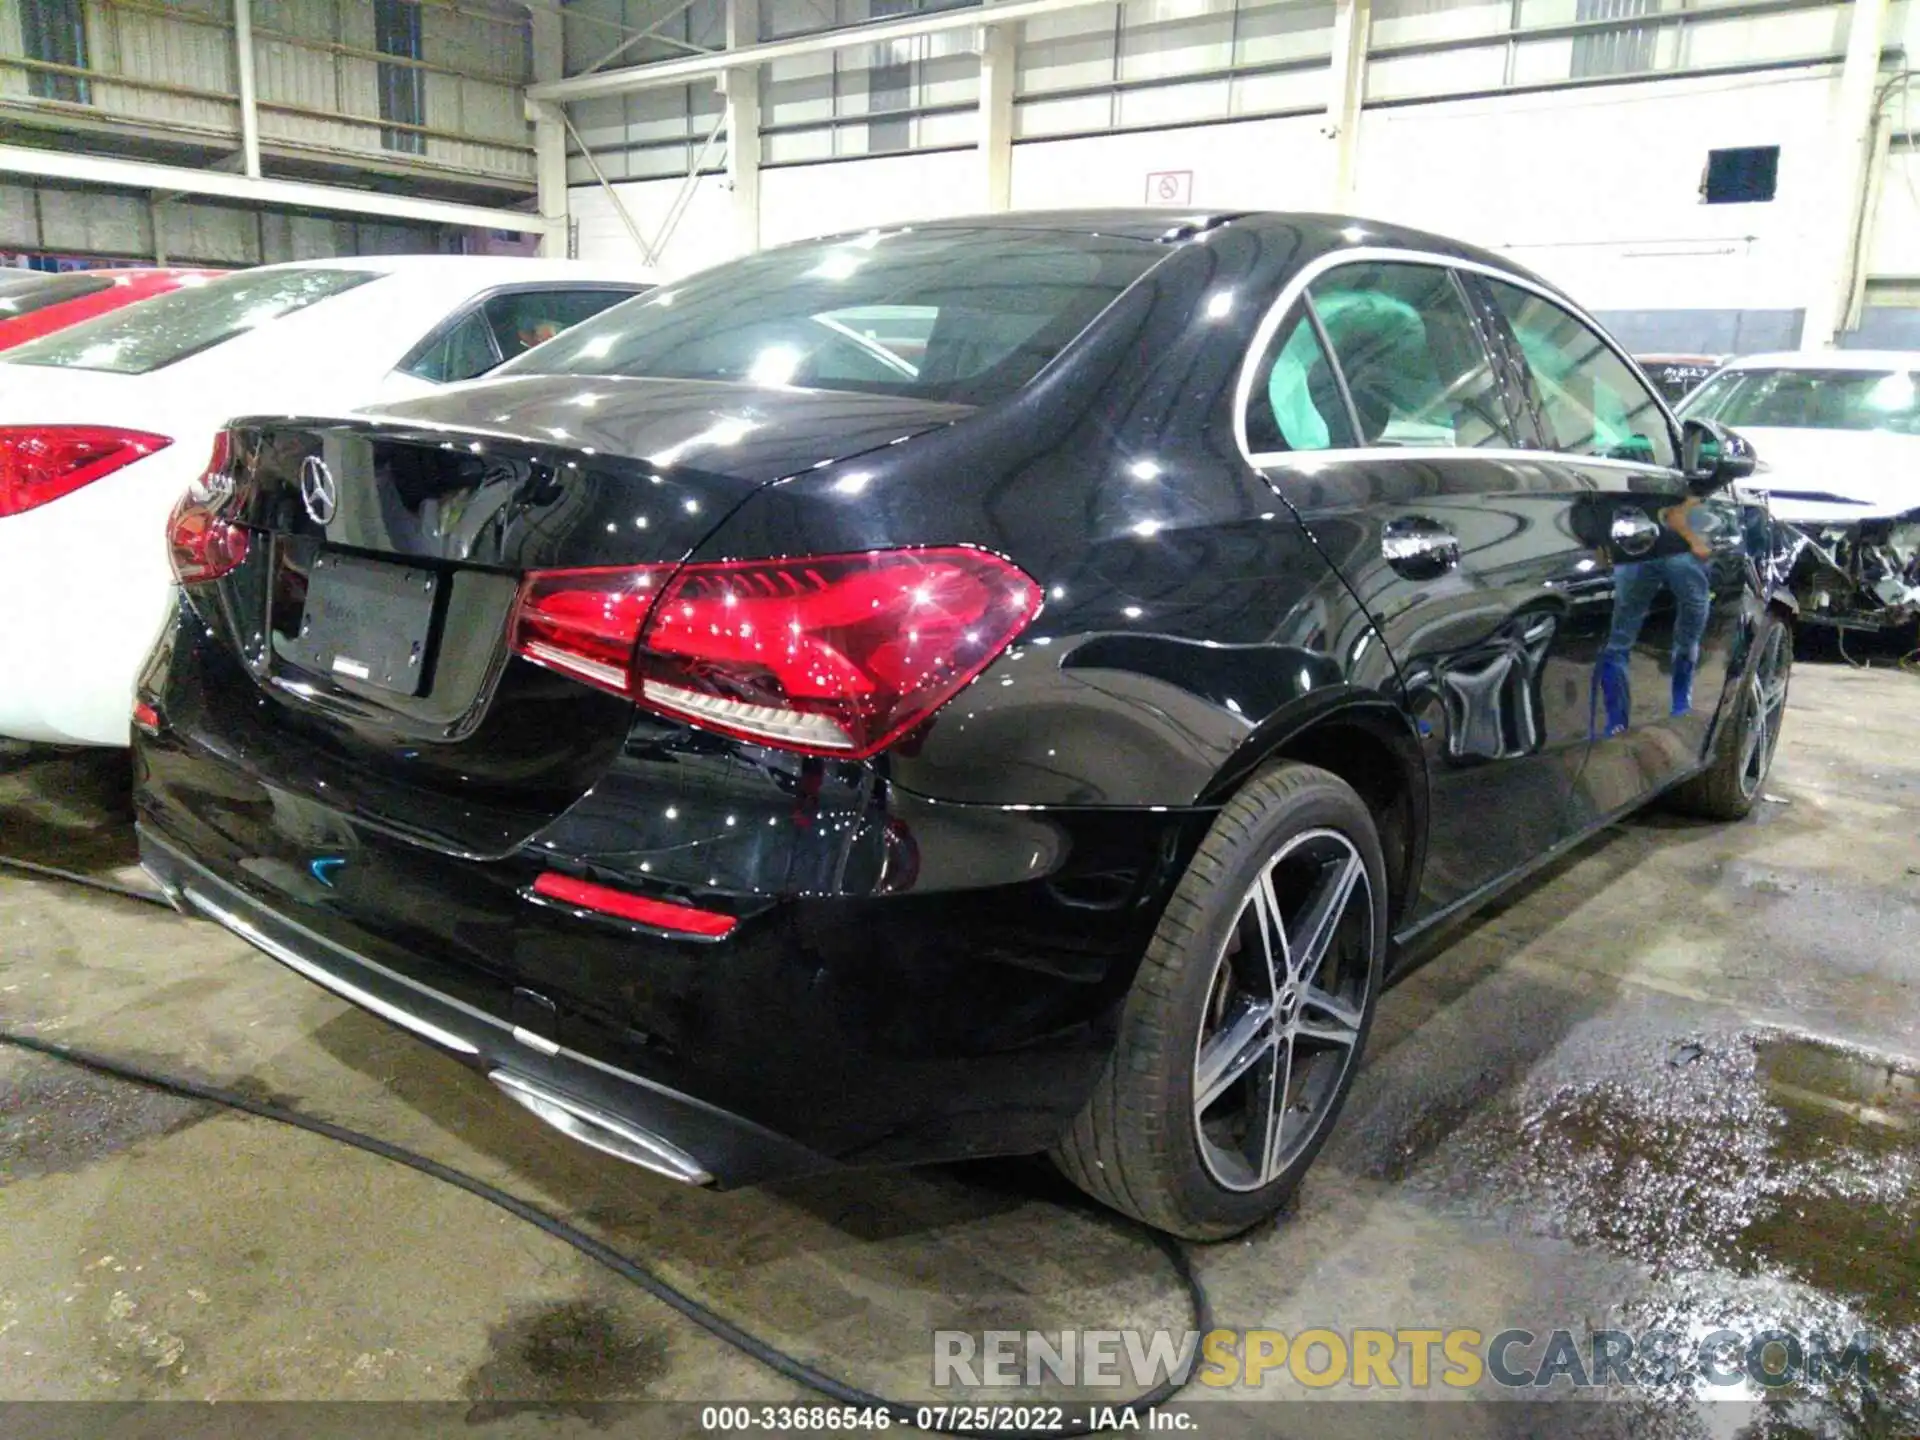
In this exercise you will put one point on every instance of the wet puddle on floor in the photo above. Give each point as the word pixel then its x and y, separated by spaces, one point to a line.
pixel 1766 1181
pixel 1849 1133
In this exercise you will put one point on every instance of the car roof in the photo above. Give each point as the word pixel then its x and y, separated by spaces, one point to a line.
pixel 153 272
pixel 483 269
pixel 1314 232
pixel 1829 360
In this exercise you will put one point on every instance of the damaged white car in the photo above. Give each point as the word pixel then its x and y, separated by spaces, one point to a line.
pixel 1838 433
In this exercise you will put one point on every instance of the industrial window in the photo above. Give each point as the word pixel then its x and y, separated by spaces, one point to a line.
pixel 396 25
pixel 890 86
pixel 1626 50
pixel 1745 176
pixel 55 31
pixel 917 93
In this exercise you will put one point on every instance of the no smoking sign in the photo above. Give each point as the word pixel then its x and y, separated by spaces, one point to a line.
pixel 1169 187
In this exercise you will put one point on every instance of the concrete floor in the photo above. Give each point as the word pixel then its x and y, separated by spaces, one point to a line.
pixel 1592 1109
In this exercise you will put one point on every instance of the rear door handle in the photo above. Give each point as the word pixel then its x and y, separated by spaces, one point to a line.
pixel 1419 548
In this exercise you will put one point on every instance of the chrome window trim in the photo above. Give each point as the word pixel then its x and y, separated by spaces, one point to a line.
pixel 1296 287
pixel 1313 460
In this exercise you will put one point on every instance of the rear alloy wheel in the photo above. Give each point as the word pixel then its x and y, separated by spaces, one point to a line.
pixel 1743 752
pixel 1245 1025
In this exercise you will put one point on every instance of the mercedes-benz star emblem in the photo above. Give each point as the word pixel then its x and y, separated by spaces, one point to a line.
pixel 318 492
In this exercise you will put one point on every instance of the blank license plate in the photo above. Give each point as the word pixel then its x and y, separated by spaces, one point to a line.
pixel 368 621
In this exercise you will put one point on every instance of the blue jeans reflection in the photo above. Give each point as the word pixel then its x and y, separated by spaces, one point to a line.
pixel 1636 584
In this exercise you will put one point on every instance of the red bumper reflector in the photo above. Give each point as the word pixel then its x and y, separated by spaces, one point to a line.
pixel 146 717
pixel 661 914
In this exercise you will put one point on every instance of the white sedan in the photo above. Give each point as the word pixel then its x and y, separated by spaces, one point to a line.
pixel 1838 435
pixel 104 424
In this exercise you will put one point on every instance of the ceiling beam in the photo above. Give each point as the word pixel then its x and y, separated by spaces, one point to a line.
pixel 696 67
pixel 293 194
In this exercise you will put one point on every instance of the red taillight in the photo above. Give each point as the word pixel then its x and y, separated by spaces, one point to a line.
pixel 586 622
pixel 39 463
pixel 829 655
pixel 203 544
pixel 146 718
pixel 661 914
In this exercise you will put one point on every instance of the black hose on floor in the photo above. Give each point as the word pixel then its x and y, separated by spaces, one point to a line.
pixel 661 1289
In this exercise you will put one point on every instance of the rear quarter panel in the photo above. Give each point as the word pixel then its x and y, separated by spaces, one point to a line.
pixel 1188 614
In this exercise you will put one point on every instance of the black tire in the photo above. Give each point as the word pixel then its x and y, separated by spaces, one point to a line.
pixel 1141 1145
pixel 1743 751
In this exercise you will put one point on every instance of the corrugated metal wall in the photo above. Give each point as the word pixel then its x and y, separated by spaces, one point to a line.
pixel 163 47
pixel 1148 64
pixel 57 220
pixel 169 65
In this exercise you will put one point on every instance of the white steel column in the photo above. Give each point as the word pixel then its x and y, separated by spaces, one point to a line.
pixel 243 74
pixel 549 134
pixel 157 221
pixel 1352 20
pixel 998 59
pixel 1836 216
pixel 740 88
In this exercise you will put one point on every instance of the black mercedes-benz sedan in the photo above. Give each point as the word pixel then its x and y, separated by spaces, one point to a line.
pixel 997 686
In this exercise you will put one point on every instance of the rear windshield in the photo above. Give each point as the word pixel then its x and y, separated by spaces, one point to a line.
pixel 186 321
pixel 26 293
pixel 962 315
pixel 1797 399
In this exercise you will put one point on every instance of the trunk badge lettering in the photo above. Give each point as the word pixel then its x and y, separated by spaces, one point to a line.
pixel 318 490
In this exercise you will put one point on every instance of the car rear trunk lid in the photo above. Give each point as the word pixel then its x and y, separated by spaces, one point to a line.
pixel 373 608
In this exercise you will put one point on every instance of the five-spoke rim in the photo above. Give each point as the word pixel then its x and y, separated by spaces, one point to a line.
pixel 1284 1010
pixel 1766 712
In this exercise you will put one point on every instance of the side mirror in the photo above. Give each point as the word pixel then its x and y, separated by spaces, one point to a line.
pixel 1713 456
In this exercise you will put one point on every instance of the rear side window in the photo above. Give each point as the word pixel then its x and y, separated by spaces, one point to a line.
pixel 460 351
pixel 522 319
pixel 501 327
pixel 1296 403
pixel 196 317
pixel 960 314
pixel 1412 358
pixel 36 292
pixel 1586 399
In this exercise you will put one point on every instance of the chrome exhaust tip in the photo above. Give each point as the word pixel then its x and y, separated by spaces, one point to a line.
pixel 618 1138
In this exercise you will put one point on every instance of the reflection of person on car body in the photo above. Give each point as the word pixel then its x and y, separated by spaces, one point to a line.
pixel 1678 562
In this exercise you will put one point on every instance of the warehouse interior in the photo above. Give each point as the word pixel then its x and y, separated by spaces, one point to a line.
pixel 677 135
pixel 1669 1084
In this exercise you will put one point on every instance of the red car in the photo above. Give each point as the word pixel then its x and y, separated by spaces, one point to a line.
pixel 35 303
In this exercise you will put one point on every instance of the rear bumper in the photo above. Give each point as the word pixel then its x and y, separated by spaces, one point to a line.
pixel 599 1104
pixel 824 1030
pixel 909 980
